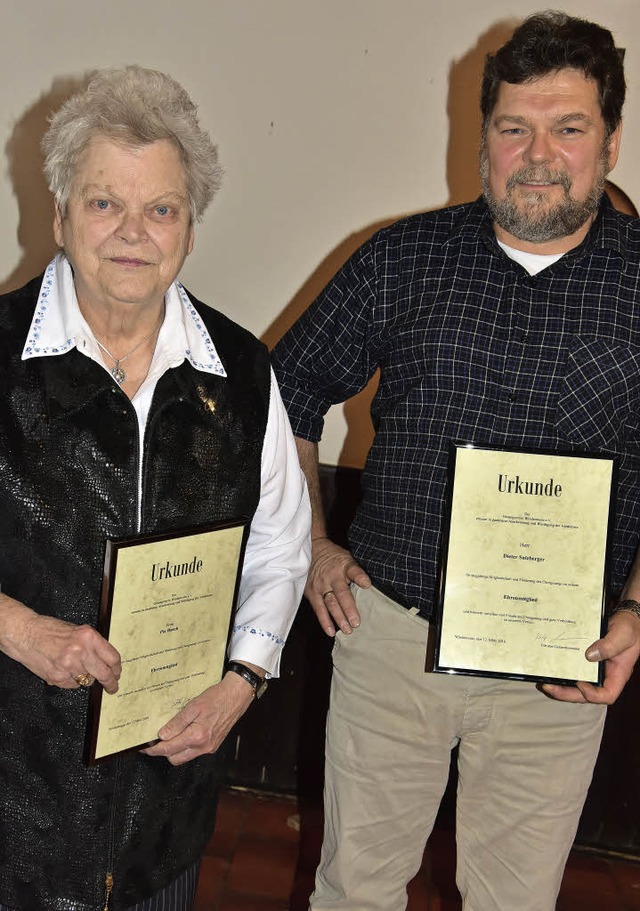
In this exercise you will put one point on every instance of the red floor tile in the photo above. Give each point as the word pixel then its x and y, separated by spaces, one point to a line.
pixel 627 879
pixel 238 903
pixel 263 867
pixel 588 889
pixel 233 809
pixel 275 818
pixel 212 883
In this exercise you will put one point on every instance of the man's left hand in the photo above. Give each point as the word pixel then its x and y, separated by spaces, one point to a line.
pixel 204 722
pixel 619 650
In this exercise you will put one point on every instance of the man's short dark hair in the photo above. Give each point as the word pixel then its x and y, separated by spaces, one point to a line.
pixel 551 41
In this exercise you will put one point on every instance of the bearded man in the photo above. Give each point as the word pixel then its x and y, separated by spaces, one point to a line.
pixel 510 322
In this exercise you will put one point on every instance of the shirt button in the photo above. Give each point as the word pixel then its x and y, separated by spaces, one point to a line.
pixel 524 339
pixel 512 397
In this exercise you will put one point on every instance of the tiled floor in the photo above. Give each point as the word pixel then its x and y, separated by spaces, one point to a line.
pixel 262 858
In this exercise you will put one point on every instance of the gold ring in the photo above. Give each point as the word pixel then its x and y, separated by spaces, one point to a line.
pixel 329 591
pixel 84 679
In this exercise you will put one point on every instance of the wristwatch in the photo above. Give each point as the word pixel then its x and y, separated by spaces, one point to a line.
pixel 258 683
pixel 633 607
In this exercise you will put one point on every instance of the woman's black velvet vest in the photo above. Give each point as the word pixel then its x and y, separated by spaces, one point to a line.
pixel 69 455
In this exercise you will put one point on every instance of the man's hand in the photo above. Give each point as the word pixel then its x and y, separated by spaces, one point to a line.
pixel 55 650
pixel 620 650
pixel 333 568
pixel 332 571
pixel 204 722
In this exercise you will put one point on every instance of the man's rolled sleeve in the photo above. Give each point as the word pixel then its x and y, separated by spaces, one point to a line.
pixel 327 357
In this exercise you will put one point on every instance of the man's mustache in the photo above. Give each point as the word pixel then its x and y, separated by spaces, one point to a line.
pixel 535 175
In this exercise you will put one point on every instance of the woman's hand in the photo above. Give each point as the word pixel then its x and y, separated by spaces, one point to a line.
pixel 204 722
pixel 57 651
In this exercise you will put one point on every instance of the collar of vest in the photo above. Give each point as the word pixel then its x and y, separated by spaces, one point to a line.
pixel 73 382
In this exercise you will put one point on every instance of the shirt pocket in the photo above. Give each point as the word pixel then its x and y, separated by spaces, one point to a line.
pixel 599 403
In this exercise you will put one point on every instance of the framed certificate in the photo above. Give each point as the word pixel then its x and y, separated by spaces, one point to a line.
pixel 525 564
pixel 167 606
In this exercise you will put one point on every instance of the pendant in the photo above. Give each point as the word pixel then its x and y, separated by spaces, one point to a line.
pixel 118 374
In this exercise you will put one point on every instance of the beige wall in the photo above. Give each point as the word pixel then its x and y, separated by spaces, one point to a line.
pixel 332 116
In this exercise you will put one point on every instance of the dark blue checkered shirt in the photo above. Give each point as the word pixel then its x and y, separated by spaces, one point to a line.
pixel 471 348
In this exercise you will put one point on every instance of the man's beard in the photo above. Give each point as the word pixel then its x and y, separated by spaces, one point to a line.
pixel 534 219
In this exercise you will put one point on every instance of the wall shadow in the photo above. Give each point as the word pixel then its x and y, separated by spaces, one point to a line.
pixel 463 185
pixel 35 204
pixel 463 112
pixel 359 435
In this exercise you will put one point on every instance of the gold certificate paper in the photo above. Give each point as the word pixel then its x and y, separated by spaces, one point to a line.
pixel 167 603
pixel 525 567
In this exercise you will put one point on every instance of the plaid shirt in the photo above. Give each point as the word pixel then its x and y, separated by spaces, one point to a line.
pixel 470 348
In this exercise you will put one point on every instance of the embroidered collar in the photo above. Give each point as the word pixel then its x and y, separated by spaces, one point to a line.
pixel 58 325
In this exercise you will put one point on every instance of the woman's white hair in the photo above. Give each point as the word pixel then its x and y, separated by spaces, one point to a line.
pixel 135 106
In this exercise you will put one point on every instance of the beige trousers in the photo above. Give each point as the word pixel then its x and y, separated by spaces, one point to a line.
pixel 525 763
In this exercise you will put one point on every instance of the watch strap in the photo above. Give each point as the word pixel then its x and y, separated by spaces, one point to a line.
pixel 258 683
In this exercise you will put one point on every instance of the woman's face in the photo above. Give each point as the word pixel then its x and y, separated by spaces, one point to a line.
pixel 127 228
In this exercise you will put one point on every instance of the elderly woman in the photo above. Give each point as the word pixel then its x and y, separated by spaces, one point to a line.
pixel 108 369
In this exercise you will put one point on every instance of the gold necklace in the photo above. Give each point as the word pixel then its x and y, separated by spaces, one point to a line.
pixel 116 371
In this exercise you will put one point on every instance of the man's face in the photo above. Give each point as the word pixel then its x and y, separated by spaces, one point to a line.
pixel 544 159
pixel 127 228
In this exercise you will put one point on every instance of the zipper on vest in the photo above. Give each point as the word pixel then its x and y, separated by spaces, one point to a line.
pixel 108 889
pixel 139 443
pixel 108 876
pixel 143 459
